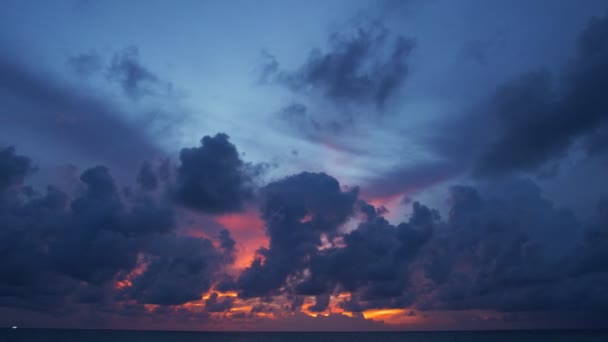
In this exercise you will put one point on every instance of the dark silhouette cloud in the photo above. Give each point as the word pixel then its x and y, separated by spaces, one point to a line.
pixel 179 270
pixel 541 116
pixel 60 250
pixel 297 210
pixel 366 66
pixel 321 303
pixel 225 283
pixel 227 245
pixel 508 248
pixel 373 264
pixel 303 210
pixel 147 178
pixel 212 178
pixel 108 244
pixel 13 168
pixel 502 247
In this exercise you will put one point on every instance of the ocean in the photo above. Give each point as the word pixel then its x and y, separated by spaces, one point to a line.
pixel 50 335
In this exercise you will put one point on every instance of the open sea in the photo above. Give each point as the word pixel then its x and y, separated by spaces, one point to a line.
pixel 49 335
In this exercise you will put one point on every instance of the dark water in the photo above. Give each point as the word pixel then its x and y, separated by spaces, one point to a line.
pixel 43 335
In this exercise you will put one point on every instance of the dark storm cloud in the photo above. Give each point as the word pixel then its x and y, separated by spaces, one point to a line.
pixel 372 260
pixel 78 122
pixel 503 247
pixel 227 245
pixel 60 251
pixel 543 115
pixel 591 255
pixel 179 270
pixel 373 264
pixel 225 283
pixel 508 248
pixel 13 168
pixel 135 79
pixel 297 210
pixel 212 178
pixel 109 243
pixel 147 178
pixel 362 67
pixel 26 276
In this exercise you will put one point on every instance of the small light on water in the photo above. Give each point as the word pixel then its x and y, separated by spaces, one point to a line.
pixel 14 327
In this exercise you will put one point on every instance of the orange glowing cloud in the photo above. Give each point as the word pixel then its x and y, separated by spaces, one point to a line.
pixel 126 281
pixel 248 231
pixel 388 316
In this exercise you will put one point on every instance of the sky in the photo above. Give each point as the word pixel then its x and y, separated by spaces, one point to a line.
pixel 289 165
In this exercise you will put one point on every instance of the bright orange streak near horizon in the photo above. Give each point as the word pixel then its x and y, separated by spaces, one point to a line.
pixel 388 316
pixel 241 306
pixel 392 316
pixel 219 294
pixel 382 313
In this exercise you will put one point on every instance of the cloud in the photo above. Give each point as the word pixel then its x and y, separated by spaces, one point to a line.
pixel 227 245
pixel 63 250
pixel 212 178
pixel 178 270
pixel 214 304
pixel 502 247
pixel 76 123
pixel 360 72
pixel 365 66
pixel 13 168
pixel 135 79
pixel 542 116
pixel 507 248
pixel 107 245
pixel 321 303
pixel 297 210
pixel 300 117
pixel 302 211
pixel 147 178
pixel 373 264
